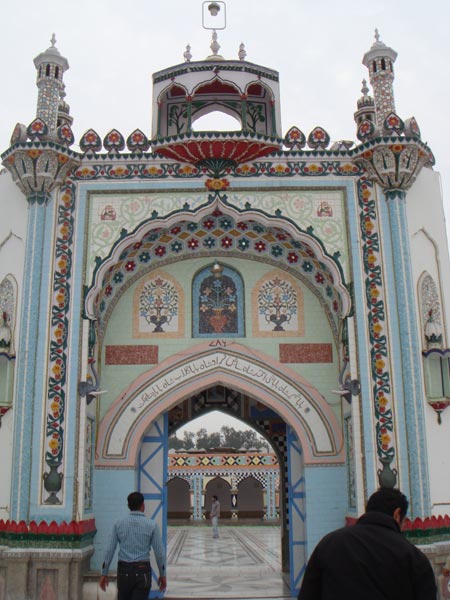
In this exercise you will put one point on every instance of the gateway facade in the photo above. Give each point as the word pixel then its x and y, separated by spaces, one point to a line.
pixel 295 284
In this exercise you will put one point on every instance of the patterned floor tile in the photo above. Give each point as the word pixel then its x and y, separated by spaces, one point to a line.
pixel 243 563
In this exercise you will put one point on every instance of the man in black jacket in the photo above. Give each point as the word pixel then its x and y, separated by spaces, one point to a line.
pixel 370 560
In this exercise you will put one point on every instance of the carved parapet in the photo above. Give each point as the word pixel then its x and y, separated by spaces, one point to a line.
pixel 39 167
pixel 393 162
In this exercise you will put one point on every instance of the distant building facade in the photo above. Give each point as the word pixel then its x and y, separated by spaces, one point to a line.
pixel 246 484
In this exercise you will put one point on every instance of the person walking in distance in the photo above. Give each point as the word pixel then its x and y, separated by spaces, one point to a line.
pixel 215 514
pixel 136 535
pixel 370 560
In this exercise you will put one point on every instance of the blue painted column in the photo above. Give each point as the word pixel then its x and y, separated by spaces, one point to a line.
pixel 271 509
pixel 411 357
pixel 27 358
pixel 197 485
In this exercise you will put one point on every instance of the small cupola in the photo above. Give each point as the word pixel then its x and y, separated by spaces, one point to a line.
pixel 246 91
pixel 186 92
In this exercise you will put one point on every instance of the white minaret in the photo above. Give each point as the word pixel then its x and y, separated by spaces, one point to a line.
pixel 380 62
pixel 51 67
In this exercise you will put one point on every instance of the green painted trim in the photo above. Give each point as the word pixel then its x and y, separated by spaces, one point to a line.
pixel 198 67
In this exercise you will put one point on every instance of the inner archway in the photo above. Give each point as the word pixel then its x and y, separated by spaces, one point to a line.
pixel 220 474
pixel 220 487
pixel 251 502
pixel 178 499
pixel 219 451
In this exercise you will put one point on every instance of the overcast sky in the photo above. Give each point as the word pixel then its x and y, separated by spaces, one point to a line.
pixel 113 47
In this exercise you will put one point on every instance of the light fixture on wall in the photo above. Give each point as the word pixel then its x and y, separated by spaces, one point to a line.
pixel 348 387
pixel 89 389
pixel 439 405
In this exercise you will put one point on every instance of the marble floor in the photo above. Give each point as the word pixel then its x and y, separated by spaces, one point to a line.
pixel 244 562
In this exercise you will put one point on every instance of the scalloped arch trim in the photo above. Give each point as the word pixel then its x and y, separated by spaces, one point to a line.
pixel 248 371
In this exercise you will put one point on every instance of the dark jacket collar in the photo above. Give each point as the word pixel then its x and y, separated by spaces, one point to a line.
pixel 380 519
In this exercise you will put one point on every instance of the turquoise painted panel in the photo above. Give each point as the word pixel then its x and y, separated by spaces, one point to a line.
pixel 112 487
pixel 326 501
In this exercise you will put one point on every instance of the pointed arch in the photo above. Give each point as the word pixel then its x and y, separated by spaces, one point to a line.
pixel 218 302
pixel 245 233
pixel 173 110
pixel 216 95
pixel 259 89
pixel 256 374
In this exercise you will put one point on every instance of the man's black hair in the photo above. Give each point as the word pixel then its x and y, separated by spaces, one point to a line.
pixel 386 500
pixel 135 500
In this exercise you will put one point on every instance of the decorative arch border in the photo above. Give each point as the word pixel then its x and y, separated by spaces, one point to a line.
pixel 248 232
pixel 268 90
pixel 164 94
pixel 187 477
pixel 249 371
pixel 259 477
pixel 212 80
pixel 217 104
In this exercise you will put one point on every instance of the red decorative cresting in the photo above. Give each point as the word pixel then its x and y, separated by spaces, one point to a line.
pixel 418 524
pixel 44 528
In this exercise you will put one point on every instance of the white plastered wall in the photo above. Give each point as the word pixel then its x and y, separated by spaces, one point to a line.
pixel 13 226
pixel 429 252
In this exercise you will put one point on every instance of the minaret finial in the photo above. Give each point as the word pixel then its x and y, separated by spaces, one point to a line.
pixel 215 46
pixel 187 54
pixel 53 40
pixel 364 89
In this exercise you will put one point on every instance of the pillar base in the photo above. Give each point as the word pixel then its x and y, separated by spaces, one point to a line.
pixel 42 573
pixel 439 556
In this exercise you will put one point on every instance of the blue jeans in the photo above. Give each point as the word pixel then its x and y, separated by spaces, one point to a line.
pixel 134 580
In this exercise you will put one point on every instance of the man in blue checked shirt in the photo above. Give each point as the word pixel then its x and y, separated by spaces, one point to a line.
pixel 136 535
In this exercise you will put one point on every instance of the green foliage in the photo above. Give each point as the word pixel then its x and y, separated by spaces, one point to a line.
pixel 255 115
pixel 227 437
pixel 177 116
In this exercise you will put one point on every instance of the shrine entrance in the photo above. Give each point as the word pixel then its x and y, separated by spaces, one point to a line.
pixel 153 483
pixel 278 403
